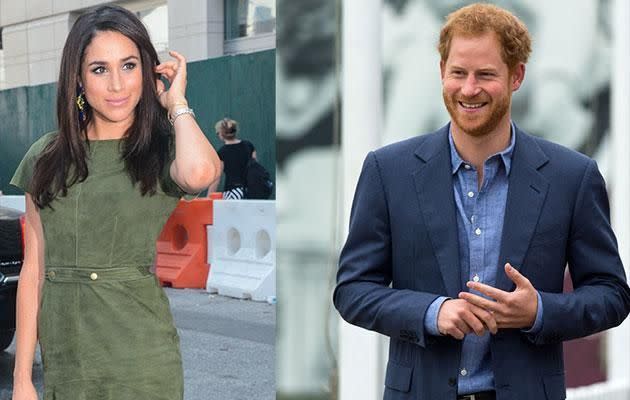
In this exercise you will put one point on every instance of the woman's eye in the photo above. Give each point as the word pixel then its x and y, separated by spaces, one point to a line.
pixel 129 65
pixel 98 70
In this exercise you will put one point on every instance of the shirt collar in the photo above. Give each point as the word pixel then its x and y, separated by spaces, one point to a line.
pixel 505 154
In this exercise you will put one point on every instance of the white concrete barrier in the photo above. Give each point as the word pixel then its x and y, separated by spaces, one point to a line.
pixel 13 201
pixel 243 261
pixel 209 243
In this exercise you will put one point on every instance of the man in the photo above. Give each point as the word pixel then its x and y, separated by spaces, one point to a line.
pixel 459 239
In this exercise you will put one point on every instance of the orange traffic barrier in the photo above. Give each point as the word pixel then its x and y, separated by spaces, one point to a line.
pixel 181 260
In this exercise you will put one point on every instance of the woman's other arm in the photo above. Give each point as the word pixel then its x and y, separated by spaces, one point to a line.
pixel 196 163
pixel 215 184
pixel 28 298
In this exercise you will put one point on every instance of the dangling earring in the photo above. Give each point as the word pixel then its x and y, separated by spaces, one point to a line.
pixel 81 105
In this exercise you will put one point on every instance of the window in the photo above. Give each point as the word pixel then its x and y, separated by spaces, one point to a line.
pixel 245 18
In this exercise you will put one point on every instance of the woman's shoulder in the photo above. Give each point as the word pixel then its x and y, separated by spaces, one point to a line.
pixel 45 139
pixel 25 170
pixel 39 145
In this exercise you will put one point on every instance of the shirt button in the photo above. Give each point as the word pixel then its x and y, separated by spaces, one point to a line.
pixel 471 194
pixel 477 231
pixel 472 219
pixel 466 166
pixel 51 274
pixel 463 372
pixel 93 276
pixel 476 278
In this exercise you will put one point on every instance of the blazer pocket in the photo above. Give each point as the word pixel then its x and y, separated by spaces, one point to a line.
pixel 555 387
pixel 398 377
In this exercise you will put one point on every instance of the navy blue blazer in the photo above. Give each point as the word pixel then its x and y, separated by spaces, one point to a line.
pixel 402 253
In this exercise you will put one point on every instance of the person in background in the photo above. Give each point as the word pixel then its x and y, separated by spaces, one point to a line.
pixel 234 155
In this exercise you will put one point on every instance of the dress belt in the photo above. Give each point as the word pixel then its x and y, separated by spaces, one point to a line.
pixel 87 274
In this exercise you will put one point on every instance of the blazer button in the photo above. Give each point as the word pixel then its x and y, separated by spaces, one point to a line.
pixel 452 381
pixel 93 276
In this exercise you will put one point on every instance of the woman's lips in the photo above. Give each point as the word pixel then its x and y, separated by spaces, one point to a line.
pixel 117 102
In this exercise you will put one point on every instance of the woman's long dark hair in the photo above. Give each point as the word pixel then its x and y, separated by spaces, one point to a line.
pixel 145 147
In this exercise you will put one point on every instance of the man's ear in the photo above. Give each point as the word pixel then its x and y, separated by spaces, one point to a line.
pixel 518 76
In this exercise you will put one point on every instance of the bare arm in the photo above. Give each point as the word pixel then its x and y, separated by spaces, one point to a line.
pixel 196 163
pixel 28 298
pixel 215 184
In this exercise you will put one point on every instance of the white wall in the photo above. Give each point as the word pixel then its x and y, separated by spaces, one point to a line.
pixel 196 30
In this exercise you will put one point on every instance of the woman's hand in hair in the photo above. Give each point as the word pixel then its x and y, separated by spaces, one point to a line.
pixel 175 72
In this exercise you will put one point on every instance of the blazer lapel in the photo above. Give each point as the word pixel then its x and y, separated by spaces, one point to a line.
pixel 434 187
pixel 526 195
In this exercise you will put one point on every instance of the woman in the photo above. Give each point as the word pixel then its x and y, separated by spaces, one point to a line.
pixel 98 192
pixel 234 156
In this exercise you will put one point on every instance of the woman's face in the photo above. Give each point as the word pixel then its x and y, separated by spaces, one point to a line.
pixel 111 75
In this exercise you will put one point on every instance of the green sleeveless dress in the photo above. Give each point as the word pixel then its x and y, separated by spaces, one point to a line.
pixel 105 328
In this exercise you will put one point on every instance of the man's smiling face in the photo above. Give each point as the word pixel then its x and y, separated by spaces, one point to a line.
pixel 477 84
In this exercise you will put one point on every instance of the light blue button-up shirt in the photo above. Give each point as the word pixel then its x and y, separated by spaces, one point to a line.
pixel 479 225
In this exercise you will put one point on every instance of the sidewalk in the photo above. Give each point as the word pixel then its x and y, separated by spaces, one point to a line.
pixel 228 348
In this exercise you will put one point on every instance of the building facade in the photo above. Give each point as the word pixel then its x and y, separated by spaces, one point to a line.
pixel 33 32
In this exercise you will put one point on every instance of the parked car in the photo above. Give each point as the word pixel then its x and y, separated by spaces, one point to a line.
pixel 11 258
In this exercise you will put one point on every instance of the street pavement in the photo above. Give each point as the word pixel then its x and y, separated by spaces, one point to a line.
pixel 228 348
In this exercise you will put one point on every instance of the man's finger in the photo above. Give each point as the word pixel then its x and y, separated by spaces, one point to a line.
pixel 515 276
pixel 463 327
pixel 480 301
pixel 453 329
pixel 456 333
pixel 486 317
pixel 492 292
pixel 474 323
